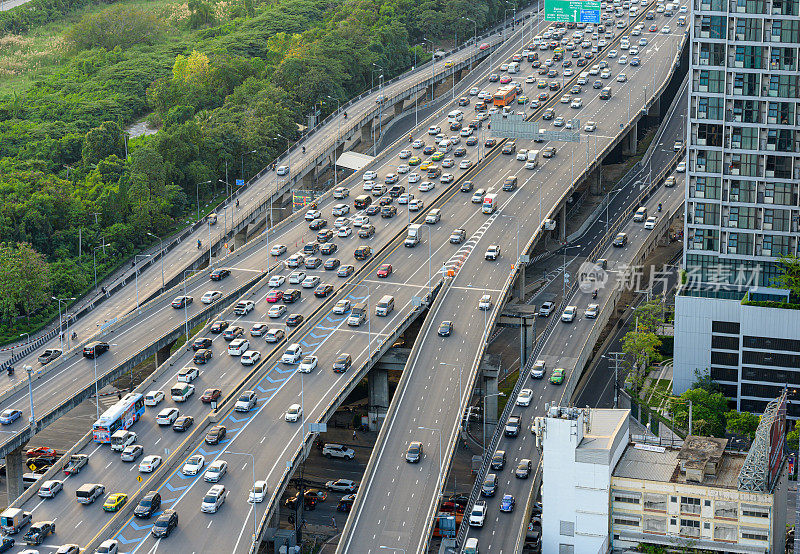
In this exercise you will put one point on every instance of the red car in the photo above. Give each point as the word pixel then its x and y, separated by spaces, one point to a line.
pixel 385 270
pixel 505 79
pixel 274 296
pixel 210 395
pixel 40 451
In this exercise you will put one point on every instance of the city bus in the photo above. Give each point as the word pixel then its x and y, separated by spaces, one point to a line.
pixel 121 415
pixel 505 95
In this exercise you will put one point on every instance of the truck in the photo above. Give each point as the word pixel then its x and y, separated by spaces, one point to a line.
pixel 14 519
pixel 533 159
pixel 412 238
pixel 489 203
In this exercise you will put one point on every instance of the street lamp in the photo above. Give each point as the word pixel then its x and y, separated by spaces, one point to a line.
pixel 369 319
pixel 338 133
pixel 253 468
pixel 243 153
pixel 162 256
pixel 197 197
pixel 484 416
pixel 96 388
pixel 32 420
pixel 476 28
pixel 440 445
pixel 60 330
pixel 433 67
pixel 185 304
pixel 136 275
pixel 94 259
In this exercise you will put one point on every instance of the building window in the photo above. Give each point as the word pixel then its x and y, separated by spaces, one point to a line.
pixel 725 358
pixel 690 528
pixel 690 504
pixel 771 343
pixel 770 359
pixel 629 520
pixel 567 528
pixel 725 533
pixel 729 327
pixel 566 549
pixel 655 525
pixel 755 511
pixel 778 376
pixel 784 7
pixel 754 534
pixel 724 342
pixel 626 499
pixel 724 374
pixel 726 510
pixel 655 502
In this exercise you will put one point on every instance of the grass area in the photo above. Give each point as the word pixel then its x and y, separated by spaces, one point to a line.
pixel 657 391
pixel 506 386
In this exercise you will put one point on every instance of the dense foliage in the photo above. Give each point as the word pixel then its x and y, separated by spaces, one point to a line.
pixel 221 84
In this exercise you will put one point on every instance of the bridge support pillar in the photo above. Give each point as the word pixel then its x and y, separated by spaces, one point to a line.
pixel 521 284
pixel 596 181
pixel 526 338
pixel 562 224
pixel 655 108
pixel 310 178
pixel 14 470
pixel 366 132
pixel 490 400
pixel 398 107
pixel 240 238
pixel 630 141
pixel 429 92
pixel 378 388
pixel 162 354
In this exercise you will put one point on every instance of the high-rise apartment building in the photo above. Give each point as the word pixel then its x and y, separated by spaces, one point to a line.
pixel 742 198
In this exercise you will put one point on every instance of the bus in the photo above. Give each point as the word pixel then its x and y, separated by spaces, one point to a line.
pixel 121 415
pixel 505 95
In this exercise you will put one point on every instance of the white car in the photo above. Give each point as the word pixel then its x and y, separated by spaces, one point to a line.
pixel 276 311
pixel 642 41
pixel 211 296
pixel 465 164
pixel 473 91
pixel 341 485
pixel 569 72
pixel 681 167
pixel 426 186
pixel 213 499
pixel 538 369
pixel 623 60
pixel 258 493
pixel 478 514
pixel 403 168
pixel 405 198
pixel 216 471
pixel 283 170
pixel 414 177
pixel 188 374
pixel 590 127
pixel 153 397
pixel 569 314
pixel 612 54
pixel 51 488
pixel 310 282
pixel 276 280
pixel 485 303
pixel 344 231
pixel 447 178
pixel 311 215
pixel 416 205
pixel 277 249
pixel 369 185
pixel 665 29
pixel 296 277
pixel 370 175
pixel 650 223
pixel 294 413
pixel 591 311
pixel 524 398
pixel 466 132
pixel 576 103
pixel 340 222
pixel 149 464
pixel 308 364
pixel 621 78
pixel 107 547
pixel 342 307
pixel 167 416
pixel 251 357
pixel 360 220
pixel 340 210
pixel 434 130
pixel 605 74
pixel 193 465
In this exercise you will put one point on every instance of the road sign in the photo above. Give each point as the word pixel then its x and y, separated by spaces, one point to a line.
pixel 318 427
pixel 239 182
pixel 561 136
pixel 139 478
pixel 513 126
pixel 579 11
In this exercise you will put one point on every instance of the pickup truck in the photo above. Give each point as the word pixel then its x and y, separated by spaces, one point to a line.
pixel 14 519
pixel 76 463
pixel 338 451
pixel 244 307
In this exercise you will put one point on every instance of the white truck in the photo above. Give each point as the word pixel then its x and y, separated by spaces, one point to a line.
pixel 412 238
pixel 489 203
pixel 533 159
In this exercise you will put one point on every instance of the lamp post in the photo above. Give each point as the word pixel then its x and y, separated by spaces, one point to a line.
pixel 433 67
pixel 475 39
pixel 96 387
pixel 32 420
pixel 288 161
pixel 136 275
pixel 564 293
pixel 484 416
pixel 517 221
pixel 185 304
pixel 434 429
pixel 94 259
pixel 197 196
pixel 243 153
pixel 338 133
pixel 253 468
pixel 162 256
pixel 369 319
pixel 60 329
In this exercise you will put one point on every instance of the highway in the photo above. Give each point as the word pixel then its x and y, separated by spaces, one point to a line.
pixel 397 500
pixel 224 372
pixel 500 532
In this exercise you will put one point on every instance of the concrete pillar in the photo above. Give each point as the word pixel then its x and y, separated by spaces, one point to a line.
pixel 240 238
pixel 429 92
pixel 15 467
pixel 630 141
pixel 309 178
pixel 366 131
pixel 398 107
pixel 655 108
pixel 162 354
pixel 378 387
pixel 562 226
pixel 490 386
pixel 526 336
pixel 596 181
pixel 521 284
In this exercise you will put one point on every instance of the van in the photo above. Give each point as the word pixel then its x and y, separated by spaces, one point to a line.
pixel 385 305
pixel 358 314
pixel 583 78
pixel 640 215
pixel 455 115
pixel 489 485
pixel 444 145
pixel 605 94
pixel 88 493
pixel 362 201
pixel 180 392
pixel 513 67
pixel 412 238
pixel 433 216
pixel 511 182
pixel 292 354
pixel 122 438
pixel 434 171
pixel 471 546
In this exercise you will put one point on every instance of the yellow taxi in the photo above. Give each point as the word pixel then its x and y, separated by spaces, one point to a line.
pixel 541 83
pixel 437 156
pixel 115 501
pixel 448 63
pixel 414 160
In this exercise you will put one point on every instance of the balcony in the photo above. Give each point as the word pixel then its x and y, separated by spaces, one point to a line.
pixel 691 532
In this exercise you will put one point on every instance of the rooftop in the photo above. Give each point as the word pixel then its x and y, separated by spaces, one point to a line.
pixel 604 425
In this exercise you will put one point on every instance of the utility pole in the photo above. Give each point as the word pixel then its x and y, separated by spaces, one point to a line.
pixel 617 357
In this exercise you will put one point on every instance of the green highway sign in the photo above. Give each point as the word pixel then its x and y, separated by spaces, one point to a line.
pixel 578 11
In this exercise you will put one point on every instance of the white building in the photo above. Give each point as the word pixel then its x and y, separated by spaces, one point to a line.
pixel 580 448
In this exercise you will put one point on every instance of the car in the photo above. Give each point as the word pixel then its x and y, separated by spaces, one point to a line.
pixel 492 252
pixel 149 463
pixel 9 416
pixel 210 395
pixel 524 397
pixel 275 295
pixel 342 362
pixel 360 220
pixel 507 503
pixel 294 320
pixel 426 186
pixel 549 152
pixel 568 316
pixel 313 262
pixel 167 521
pixel 311 215
pixel 130 453
pixel 63 549
pixel 50 488
pixel 546 308
pixel 115 501
pixel 294 413
pixel 282 170
pixel 512 426
pixel 458 236
pixel 477 516
pixel 681 167
pixel 198 344
pixel 276 311
pixel 338 451
pixel 485 303
pixel 650 223
pixel 434 130
pixel 75 464
pixel 215 471
pixel 384 270
pixel 214 499
pixel 590 127
pixel 49 355
pixel 591 311
pixel 498 461
pixel 203 355
pixel 167 416
pixel 275 335
pixel 258 493
pixel 345 270
pixel 342 485
pixel 332 263
pixel 258 329
pixel 366 231
pixel 677 146
pixel 188 374
pixel 38 532
pixel 620 240
pixel 642 41
pixel 622 78
pixel 110 546
pixel 246 402
pixel 523 469
pixel 277 250
pixel 666 30
pixel 251 357
pixel 557 376
pixel 538 369
pixel 310 282
pixel 233 333
pixel 182 423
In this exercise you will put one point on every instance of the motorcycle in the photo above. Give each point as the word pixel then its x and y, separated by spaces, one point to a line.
pixel 659 206
pixel 10 370
pixel 594 295
pixel 74 335
pixel 199 244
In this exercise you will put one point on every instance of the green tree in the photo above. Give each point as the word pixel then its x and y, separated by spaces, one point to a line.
pixel 743 423
pixel 708 412
pixel 640 346
pixel 25 281
pixel 102 142
pixel 649 315
pixel 789 277
pixel 792 439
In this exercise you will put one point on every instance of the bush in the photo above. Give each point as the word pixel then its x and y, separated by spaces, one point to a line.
pixel 121 26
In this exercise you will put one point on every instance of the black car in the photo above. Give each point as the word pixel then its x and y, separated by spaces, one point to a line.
pixel 219 274
pixel 165 523
pixel 7 544
pixel 219 326
pixel 373 209
pixel 233 333
pixel 203 355
pixel 291 296
pixel 455 126
pixel 549 114
pixel 362 253
pixel 318 224
pixel 460 152
pixel 216 434
pixel 148 505
pixel 182 423
pixel 388 211
pixel 294 320
pixel 201 342
pixel 428 150
pixel 181 301
pixel 342 363
pixel 396 191
pixel 323 290
pixel 39 531
pixel 332 263
pixel 385 201
pixel 445 328
pixel 328 248
pixel 512 426
pixel 94 349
